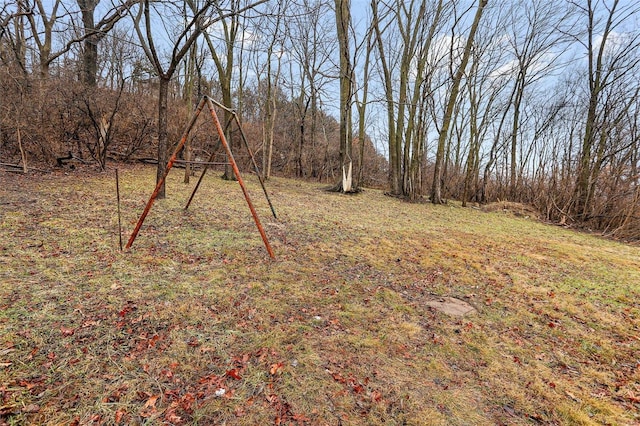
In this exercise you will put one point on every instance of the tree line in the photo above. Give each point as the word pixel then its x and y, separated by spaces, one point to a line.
pixel 476 100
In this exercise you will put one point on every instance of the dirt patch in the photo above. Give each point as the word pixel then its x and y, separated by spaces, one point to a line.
pixel 451 306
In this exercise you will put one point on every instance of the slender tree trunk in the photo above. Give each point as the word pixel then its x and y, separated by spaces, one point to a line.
pixel 20 47
pixel 189 83
pixel 395 177
pixel 226 100
pixel 343 21
pixel 362 108
pixel 515 128
pixel 582 194
pixel 269 122
pixel 22 154
pixel 162 131
pixel 436 190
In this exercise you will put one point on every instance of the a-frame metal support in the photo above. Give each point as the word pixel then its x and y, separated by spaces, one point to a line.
pixel 223 140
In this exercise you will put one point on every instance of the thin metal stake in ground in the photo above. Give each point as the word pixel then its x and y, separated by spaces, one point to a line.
pixel 119 216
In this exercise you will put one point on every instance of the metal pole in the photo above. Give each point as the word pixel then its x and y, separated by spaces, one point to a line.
pixel 204 171
pixel 119 219
pixel 206 167
pixel 255 165
pixel 166 172
pixel 236 171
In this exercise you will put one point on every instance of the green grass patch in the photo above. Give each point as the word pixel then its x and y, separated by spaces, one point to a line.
pixel 196 325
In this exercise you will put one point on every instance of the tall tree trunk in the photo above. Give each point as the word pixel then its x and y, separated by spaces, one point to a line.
pixel 515 128
pixel 227 102
pixel 343 22
pixel 395 177
pixel 163 95
pixel 90 46
pixel 362 107
pixel 20 47
pixel 436 189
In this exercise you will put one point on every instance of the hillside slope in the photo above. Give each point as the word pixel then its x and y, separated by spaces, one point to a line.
pixel 195 325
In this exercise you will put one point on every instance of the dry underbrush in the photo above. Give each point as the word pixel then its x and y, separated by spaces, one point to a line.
pixel 515 209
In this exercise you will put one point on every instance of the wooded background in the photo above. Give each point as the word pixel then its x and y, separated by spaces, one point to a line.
pixel 532 102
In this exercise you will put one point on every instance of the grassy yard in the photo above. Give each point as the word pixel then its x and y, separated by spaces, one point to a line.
pixel 196 325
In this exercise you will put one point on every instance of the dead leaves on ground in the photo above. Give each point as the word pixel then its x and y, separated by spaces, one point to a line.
pixel 191 325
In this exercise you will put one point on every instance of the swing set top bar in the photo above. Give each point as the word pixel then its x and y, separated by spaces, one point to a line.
pixel 219 105
pixel 203 163
pixel 210 103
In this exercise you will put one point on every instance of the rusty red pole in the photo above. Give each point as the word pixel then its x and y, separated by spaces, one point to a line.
pixel 204 171
pixel 214 116
pixel 255 165
pixel 206 167
pixel 154 195
pixel 253 160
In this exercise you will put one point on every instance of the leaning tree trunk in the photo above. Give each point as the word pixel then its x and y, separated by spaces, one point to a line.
pixel 436 189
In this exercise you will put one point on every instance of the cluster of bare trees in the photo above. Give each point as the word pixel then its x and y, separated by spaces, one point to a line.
pixel 477 100
pixel 125 75
pixel 532 102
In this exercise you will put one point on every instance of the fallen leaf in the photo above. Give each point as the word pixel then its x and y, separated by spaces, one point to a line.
pixel 67 331
pixel 151 402
pixel 7 350
pixel 33 352
pixel 31 408
pixel 119 415
pixel 233 373
pixel 172 417
pixel 276 368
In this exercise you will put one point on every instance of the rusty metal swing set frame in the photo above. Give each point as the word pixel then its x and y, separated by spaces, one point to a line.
pixel 230 161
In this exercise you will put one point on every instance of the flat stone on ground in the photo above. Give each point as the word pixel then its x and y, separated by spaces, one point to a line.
pixel 451 306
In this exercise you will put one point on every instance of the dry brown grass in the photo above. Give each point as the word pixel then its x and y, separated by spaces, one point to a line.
pixel 515 209
pixel 335 331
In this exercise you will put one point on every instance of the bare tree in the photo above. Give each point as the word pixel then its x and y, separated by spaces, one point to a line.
pixel 612 61
pixel 268 65
pixel 94 32
pixel 537 39
pixel 166 69
pixel 436 189
pixel 224 54
pixel 343 24
pixel 311 43
pixel 405 38
pixel 485 86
